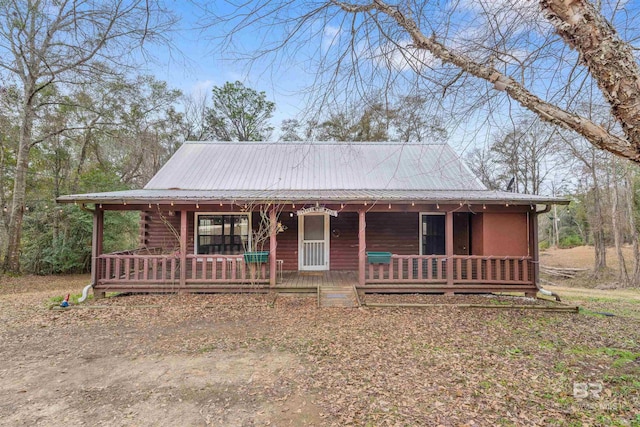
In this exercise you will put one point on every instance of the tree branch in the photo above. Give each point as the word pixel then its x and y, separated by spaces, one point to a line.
pixel 596 134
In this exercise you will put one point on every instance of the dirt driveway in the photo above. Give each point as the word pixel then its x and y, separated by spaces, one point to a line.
pixel 239 360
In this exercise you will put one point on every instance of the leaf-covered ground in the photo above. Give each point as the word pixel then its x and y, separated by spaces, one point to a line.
pixel 249 360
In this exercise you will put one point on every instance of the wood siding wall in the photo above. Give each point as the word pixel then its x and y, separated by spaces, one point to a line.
pixel 343 250
pixel 505 234
pixel 498 234
pixel 395 232
pixel 287 249
pixel 161 230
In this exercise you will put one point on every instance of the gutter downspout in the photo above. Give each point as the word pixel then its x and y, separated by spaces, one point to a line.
pixel 85 291
pixel 543 291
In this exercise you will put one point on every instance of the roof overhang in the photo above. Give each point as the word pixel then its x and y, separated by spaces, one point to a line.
pixel 177 196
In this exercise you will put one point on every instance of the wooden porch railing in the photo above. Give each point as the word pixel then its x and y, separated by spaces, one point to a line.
pixel 467 269
pixel 492 270
pixel 131 268
pixel 409 268
pixel 225 269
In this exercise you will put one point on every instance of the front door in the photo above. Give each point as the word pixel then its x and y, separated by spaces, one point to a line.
pixel 313 241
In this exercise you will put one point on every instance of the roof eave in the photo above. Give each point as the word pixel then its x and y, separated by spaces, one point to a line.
pixel 184 200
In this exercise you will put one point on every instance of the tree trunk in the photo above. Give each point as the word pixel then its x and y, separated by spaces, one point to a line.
pixel 623 276
pixel 634 280
pixel 14 231
pixel 599 242
pixel 556 233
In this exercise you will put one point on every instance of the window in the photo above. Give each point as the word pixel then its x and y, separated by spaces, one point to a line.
pixel 432 229
pixel 224 234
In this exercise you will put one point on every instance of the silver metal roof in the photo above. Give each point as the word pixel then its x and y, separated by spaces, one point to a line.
pixel 314 166
pixel 321 171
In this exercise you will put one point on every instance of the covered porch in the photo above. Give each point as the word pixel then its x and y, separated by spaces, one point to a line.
pixel 459 267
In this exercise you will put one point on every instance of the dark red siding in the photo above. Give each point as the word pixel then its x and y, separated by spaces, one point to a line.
pixel 396 232
pixel 160 230
pixel 505 234
pixel 287 249
pixel 343 249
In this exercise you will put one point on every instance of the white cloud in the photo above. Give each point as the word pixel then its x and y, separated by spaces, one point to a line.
pixel 201 87
pixel 330 36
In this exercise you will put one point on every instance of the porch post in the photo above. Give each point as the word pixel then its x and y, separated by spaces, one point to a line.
pixel 449 248
pixel 183 250
pixel 273 228
pixel 362 247
pixel 535 256
pixel 96 248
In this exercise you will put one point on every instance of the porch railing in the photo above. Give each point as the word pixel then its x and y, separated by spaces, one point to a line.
pixel 225 269
pixel 131 268
pixel 165 269
pixel 467 269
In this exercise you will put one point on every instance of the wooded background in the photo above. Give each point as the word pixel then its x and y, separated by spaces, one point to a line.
pixel 556 83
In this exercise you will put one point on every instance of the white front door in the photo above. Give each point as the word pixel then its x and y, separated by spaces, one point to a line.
pixel 313 242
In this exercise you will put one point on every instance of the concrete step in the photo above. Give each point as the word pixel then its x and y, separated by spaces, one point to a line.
pixel 337 296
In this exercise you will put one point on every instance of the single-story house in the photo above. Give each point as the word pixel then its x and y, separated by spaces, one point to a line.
pixel 257 216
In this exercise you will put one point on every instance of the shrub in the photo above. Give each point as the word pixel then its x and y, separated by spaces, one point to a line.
pixel 570 241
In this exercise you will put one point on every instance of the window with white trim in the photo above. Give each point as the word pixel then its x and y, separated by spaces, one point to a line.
pixel 221 233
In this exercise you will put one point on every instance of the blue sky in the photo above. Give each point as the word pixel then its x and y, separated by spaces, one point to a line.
pixel 195 64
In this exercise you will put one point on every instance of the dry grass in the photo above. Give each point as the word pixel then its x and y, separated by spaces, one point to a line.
pixel 237 360
pixel 595 295
pixel 581 257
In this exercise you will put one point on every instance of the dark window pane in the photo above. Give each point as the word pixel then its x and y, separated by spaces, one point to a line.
pixel 433 235
pixel 222 234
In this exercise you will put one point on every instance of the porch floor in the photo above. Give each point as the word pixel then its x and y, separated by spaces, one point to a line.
pixel 309 281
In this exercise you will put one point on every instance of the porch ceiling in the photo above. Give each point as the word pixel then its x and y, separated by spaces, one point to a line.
pixel 286 196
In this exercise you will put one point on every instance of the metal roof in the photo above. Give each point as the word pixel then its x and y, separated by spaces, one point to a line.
pixel 314 166
pixel 319 171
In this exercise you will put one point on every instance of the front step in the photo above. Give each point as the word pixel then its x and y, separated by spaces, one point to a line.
pixel 337 296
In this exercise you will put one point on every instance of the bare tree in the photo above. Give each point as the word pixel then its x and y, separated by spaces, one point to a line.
pixel 523 157
pixel 592 162
pixel 195 116
pixel 356 123
pixel 617 221
pixel 629 191
pixel 413 121
pixel 540 55
pixel 61 42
